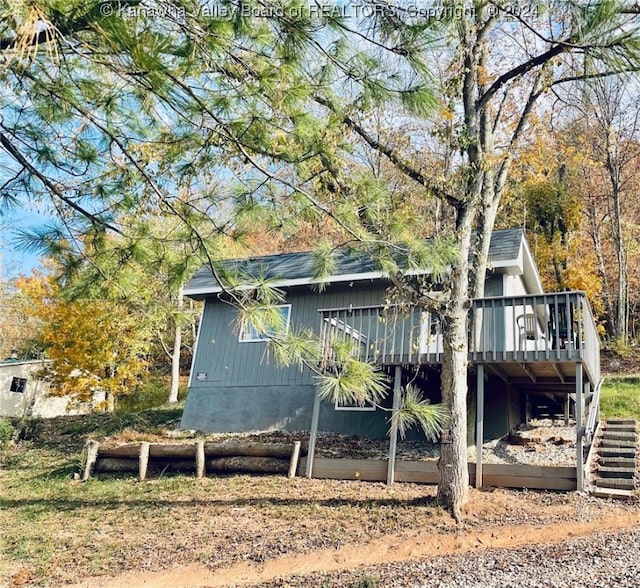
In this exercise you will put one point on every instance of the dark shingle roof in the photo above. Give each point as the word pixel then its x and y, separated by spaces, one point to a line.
pixel 289 269
pixel 505 244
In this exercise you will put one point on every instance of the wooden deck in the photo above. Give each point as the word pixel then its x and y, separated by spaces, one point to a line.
pixel 522 339
pixel 536 343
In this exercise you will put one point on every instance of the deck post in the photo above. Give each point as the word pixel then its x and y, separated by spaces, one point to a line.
pixel 393 435
pixel 586 398
pixel 479 423
pixel 315 418
pixel 579 428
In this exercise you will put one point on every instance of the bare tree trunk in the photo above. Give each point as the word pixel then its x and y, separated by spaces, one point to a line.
pixel 558 271
pixel 617 117
pixel 175 353
pixel 484 232
pixel 453 490
pixel 622 327
pixel 593 213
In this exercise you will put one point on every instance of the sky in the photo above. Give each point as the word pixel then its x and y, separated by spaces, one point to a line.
pixel 13 261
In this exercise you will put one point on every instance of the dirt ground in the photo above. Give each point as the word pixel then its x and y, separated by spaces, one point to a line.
pixel 273 532
pixel 494 519
pixel 618 365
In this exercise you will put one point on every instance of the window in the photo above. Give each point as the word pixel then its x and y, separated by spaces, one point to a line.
pixel 367 406
pixel 18 385
pixel 249 334
pixel 430 334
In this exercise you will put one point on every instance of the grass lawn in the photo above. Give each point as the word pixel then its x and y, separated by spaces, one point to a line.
pixel 620 397
pixel 55 530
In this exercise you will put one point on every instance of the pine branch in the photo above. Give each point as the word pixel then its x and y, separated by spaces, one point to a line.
pixel 392 155
pixel 15 153
pixel 60 27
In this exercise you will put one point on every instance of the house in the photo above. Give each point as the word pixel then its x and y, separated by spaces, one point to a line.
pixel 530 352
pixel 25 393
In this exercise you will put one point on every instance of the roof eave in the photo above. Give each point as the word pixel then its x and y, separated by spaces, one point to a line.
pixel 202 292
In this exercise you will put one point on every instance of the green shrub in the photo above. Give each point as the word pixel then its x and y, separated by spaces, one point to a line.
pixel 621 347
pixel 149 394
pixel 7 432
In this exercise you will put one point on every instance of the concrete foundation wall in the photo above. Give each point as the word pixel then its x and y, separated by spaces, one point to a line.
pixel 251 408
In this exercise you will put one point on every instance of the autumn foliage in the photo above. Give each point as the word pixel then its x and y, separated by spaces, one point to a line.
pixel 96 346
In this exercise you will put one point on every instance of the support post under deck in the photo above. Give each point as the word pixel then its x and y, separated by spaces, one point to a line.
pixel 579 428
pixel 315 418
pixel 479 423
pixel 393 436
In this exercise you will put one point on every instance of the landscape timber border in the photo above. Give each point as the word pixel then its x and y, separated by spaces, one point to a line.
pixel 204 458
pixel 200 457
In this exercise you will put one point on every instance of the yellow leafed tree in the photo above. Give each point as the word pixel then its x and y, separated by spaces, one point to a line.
pixel 95 346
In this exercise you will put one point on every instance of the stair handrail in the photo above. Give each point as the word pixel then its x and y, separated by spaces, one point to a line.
pixel 594 413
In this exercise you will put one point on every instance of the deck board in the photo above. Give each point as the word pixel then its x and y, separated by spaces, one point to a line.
pixel 426 472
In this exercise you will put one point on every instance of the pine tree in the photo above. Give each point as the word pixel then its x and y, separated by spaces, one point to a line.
pixel 283 107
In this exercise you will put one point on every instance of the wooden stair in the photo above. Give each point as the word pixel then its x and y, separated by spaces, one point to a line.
pixel 615 470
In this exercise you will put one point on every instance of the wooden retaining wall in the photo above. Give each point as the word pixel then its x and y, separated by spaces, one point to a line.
pixel 426 472
pixel 199 457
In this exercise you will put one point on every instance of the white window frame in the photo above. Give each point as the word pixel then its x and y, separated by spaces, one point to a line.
pixel 18 385
pixel 366 407
pixel 248 335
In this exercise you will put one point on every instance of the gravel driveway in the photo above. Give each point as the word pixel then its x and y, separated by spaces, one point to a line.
pixel 605 560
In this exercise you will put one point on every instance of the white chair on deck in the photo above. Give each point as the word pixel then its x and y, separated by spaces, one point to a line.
pixel 530 331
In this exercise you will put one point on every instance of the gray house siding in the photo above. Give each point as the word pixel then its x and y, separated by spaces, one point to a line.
pixel 493 323
pixel 236 386
pixel 229 362
pixel 494 286
pixel 248 408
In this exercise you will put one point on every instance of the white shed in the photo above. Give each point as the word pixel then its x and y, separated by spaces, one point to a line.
pixel 23 392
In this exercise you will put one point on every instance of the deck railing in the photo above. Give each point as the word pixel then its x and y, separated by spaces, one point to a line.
pixel 538 327
pixel 593 417
pixel 556 327
pixel 379 334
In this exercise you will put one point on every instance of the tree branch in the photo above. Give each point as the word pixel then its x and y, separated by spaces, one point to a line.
pixel 15 153
pixel 392 156
pixel 522 69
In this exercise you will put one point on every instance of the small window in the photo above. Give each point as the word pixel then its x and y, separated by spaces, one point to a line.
pixel 367 406
pixel 249 334
pixel 18 385
pixel 434 325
